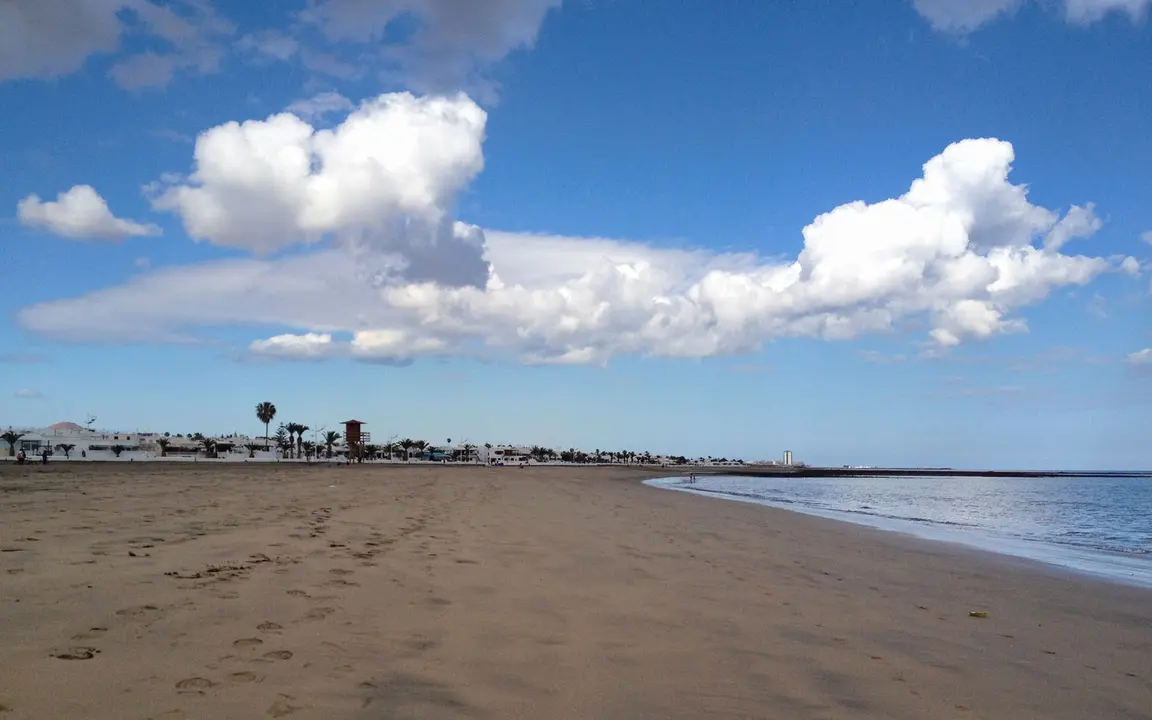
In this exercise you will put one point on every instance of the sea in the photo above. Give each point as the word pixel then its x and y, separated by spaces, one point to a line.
pixel 1097 526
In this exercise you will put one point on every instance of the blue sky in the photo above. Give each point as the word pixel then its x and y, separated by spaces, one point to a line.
pixel 884 233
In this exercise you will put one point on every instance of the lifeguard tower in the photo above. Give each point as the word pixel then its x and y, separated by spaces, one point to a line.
pixel 355 438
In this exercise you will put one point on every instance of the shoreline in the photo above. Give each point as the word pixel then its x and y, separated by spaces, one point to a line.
pixel 193 590
pixel 1065 560
pixel 798 471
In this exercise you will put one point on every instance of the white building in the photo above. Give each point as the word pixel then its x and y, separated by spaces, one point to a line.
pixel 70 441
pixel 503 454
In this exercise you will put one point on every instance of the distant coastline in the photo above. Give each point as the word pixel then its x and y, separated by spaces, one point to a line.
pixel 812 471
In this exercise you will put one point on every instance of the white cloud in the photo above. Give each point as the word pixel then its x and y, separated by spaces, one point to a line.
pixel 381 184
pixel 963 16
pixel 960 250
pixel 1141 357
pixel 452 41
pixel 309 346
pixel 27 394
pixel 81 214
pixel 1130 266
pixel 318 106
pixel 270 43
pixel 1079 222
pixel 1146 236
pixel 50 38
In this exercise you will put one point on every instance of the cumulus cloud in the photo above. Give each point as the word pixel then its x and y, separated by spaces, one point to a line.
pixel 50 38
pixel 963 16
pixel 80 214
pixel 1130 266
pixel 28 394
pixel 451 43
pixel 309 346
pixel 381 184
pixel 1141 357
pixel 961 251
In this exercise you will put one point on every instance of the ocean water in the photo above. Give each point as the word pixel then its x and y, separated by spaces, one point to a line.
pixel 1100 526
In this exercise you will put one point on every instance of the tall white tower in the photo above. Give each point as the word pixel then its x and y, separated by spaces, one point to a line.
pixel 787 457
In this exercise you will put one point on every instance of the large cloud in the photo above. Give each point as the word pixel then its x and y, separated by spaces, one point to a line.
pixel 966 15
pixel 382 184
pixel 959 254
pixel 79 214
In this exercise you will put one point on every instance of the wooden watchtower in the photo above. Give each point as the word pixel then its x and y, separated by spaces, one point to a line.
pixel 355 438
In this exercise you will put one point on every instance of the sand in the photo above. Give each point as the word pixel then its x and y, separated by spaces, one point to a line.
pixel 245 591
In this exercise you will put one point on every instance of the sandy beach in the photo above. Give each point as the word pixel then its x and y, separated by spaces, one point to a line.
pixel 179 590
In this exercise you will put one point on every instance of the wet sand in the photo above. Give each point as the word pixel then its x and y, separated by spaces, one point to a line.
pixel 241 591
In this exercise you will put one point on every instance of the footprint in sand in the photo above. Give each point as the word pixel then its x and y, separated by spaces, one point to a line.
pixel 90 634
pixel 194 684
pixel 269 627
pixel 283 706
pixel 244 677
pixel 298 593
pixel 136 610
pixel 77 653
pixel 247 642
pixel 279 655
pixel 319 613
pixel 341 571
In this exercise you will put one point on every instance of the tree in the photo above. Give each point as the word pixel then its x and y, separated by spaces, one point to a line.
pixel 265 411
pixel 282 441
pixel 252 448
pixel 117 450
pixel 290 428
pixel 420 445
pixel 67 449
pixel 331 438
pixel 209 446
pixel 163 444
pixel 11 437
pixel 300 430
pixel 371 451
pixel 407 444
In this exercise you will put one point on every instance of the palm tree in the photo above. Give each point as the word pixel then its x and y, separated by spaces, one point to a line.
pixel 420 445
pixel 300 430
pixel 207 443
pixel 331 438
pixel 407 444
pixel 11 437
pixel 468 448
pixel 67 449
pixel 265 411
pixel 252 448
pixel 117 449
pixel 163 443
pixel 309 449
pixel 291 429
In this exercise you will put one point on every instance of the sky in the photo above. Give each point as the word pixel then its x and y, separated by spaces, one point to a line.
pixel 902 232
